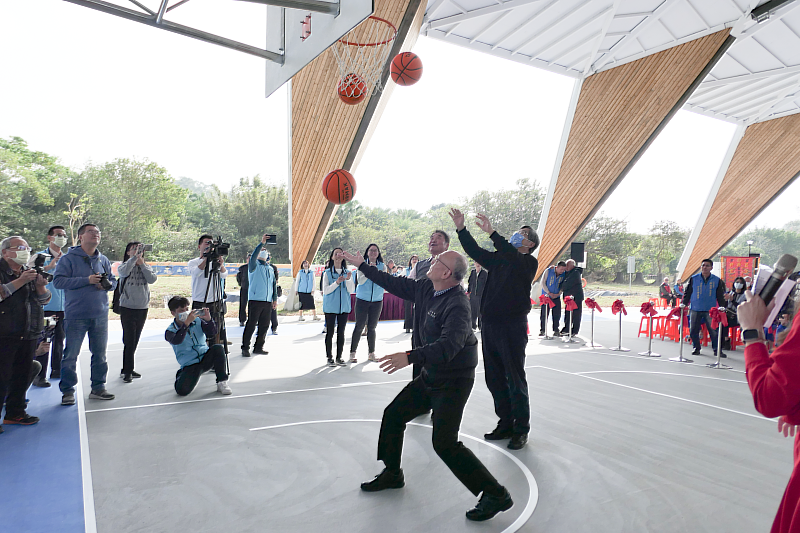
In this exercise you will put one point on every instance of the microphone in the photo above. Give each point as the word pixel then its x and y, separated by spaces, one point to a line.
pixel 783 268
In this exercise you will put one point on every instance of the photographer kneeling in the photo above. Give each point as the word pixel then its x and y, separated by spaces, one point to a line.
pixel 187 335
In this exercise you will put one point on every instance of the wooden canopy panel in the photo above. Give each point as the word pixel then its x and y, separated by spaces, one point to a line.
pixel 765 162
pixel 618 113
pixel 326 133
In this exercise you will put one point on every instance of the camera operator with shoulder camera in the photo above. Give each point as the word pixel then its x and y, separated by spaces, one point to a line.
pixel 202 268
pixel 23 292
pixel 48 259
pixel 84 274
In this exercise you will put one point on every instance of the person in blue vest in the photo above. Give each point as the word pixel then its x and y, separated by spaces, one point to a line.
pixel 57 240
pixel 305 290
pixel 261 298
pixel 187 335
pixel 704 291
pixel 551 286
pixel 337 286
pixel 369 304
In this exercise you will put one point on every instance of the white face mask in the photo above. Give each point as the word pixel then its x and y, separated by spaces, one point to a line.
pixel 263 256
pixel 183 316
pixel 22 257
pixel 737 285
pixel 60 241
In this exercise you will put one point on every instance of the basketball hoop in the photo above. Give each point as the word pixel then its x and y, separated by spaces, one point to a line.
pixel 363 52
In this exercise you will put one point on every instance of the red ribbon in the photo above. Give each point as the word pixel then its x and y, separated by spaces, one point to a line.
pixel 545 300
pixel 618 306
pixel 569 303
pixel 717 316
pixel 591 304
pixel 675 311
pixel 648 309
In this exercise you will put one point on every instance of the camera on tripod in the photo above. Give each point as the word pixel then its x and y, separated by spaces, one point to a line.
pixel 38 266
pixel 217 249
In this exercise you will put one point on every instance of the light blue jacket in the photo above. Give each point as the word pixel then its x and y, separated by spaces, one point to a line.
pixel 369 291
pixel 193 347
pixel 305 281
pixel 82 300
pixel 56 303
pixel 261 276
pixel 338 301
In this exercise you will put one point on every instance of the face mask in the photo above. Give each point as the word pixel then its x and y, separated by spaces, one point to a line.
pixel 183 316
pixel 264 256
pixel 748 284
pixel 737 285
pixel 516 239
pixel 60 241
pixel 22 257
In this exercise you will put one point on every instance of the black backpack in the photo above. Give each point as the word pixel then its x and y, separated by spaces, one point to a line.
pixel 115 306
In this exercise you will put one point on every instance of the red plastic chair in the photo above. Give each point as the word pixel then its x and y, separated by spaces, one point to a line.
pixel 735 335
pixel 643 326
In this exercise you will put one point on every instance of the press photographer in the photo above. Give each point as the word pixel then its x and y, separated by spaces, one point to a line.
pixel 23 292
pixel 207 272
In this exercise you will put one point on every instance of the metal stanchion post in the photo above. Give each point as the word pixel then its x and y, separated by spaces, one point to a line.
pixel 619 348
pixel 681 358
pixel 547 323
pixel 591 342
pixel 649 352
pixel 719 365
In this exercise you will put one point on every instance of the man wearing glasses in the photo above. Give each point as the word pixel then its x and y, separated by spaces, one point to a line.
pixel 505 306
pixel 84 274
pixel 204 296
pixel 448 355
pixel 22 294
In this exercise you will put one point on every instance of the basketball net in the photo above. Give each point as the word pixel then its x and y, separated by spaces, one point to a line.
pixel 363 52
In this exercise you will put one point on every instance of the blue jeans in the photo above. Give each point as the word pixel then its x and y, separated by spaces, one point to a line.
pixel 76 330
pixel 696 319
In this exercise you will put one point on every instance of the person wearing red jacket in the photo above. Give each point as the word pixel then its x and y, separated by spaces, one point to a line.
pixel 774 381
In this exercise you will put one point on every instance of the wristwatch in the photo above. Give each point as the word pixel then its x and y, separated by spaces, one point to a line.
pixel 750 335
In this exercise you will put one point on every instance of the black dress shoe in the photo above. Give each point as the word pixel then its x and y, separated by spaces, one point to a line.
pixel 722 355
pixel 127 378
pixel 542 333
pixel 260 351
pixel 564 333
pixel 696 351
pixel 488 506
pixel 385 480
pixel 499 434
pixel 135 374
pixel 518 442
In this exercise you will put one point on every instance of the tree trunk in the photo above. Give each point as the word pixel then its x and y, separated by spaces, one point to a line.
pixel 621 277
pixel 638 279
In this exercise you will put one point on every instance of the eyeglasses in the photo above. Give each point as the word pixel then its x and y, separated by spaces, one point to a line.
pixel 20 248
pixel 438 260
pixel 93 231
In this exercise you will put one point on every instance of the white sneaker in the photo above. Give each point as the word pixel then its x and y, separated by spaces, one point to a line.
pixel 302 319
pixel 353 358
pixel 316 317
pixel 372 357
pixel 223 388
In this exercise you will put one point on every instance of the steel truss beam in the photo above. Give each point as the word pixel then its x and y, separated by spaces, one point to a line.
pixel 326 8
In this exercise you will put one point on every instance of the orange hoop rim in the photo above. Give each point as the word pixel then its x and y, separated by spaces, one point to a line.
pixel 387 41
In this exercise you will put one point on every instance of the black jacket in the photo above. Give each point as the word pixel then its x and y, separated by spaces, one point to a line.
pixel 476 284
pixel 21 314
pixel 507 296
pixel 572 285
pixel 448 348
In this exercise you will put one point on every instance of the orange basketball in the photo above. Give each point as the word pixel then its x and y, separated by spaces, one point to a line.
pixel 352 89
pixel 339 187
pixel 406 68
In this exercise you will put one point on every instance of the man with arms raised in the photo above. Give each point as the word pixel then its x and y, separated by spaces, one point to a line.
pixel 504 311
pixel 448 355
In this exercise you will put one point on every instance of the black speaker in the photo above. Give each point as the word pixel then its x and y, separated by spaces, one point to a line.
pixel 576 252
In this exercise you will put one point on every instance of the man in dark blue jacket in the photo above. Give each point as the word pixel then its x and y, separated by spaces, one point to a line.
pixel 447 355
pixel 704 291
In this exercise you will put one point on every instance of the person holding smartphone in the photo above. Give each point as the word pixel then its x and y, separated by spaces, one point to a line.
pixel 262 298
pixel 187 335
pixel 135 278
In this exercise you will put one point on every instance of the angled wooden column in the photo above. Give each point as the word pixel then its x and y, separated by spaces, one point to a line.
pixel 327 134
pixel 766 160
pixel 615 117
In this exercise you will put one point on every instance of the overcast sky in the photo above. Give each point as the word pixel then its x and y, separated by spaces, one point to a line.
pixel 86 86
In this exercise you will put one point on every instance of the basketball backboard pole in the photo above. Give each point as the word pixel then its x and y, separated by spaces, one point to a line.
pixel 326 8
pixel 156 20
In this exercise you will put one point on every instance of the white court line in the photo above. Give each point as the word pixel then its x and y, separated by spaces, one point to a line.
pixel 533 487
pixel 659 373
pixel 759 417
pixel 659 360
pixel 89 518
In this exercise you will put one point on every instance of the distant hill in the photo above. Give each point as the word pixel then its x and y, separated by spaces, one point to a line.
pixel 197 187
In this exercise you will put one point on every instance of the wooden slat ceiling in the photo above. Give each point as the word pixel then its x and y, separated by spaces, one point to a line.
pixel 766 161
pixel 617 113
pixel 324 131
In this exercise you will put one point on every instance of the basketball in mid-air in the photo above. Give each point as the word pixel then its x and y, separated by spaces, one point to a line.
pixel 339 187
pixel 406 68
pixel 352 89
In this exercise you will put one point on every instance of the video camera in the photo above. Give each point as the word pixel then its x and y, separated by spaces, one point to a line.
pixel 217 249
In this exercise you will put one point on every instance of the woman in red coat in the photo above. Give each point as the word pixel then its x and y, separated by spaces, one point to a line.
pixel 774 381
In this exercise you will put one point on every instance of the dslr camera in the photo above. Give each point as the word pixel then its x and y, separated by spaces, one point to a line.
pixel 217 249
pixel 38 266
pixel 104 282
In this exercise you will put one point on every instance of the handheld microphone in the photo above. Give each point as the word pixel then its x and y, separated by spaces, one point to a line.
pixel 783 268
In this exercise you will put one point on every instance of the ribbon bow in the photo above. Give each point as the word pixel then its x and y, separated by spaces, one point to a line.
pixel 648 309
pixel 545 300
pixel 717 316
pixel 675 311
pixel 618 306
pixel 569 303
pixel 592 304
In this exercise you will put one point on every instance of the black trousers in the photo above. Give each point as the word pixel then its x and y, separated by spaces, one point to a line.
pixel 408 314
pixel 447 398
pixel 475 307
pixel 366 313
pixel 258 314
pixel 274 320
pixel 340 322
pixel 132 325
pixel 223 333
pixel 243 305
pixel 575 317
pixel 56 348
pixel 16 359
pixel 555 315
pixel 504 361
pixel 187 377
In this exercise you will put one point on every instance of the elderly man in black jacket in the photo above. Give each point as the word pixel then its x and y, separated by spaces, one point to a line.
pixel 573 286
pixel 505 306
pixel 448 355
pixel 23 292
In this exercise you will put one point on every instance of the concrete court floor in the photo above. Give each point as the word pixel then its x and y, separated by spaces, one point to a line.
pixel 619 443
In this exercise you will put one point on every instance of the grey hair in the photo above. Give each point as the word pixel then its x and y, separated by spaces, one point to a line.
pixel 6 243
pixel 570 261
pixel 460 267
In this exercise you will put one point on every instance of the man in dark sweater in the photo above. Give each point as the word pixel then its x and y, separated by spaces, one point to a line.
pixel 448 355
pixel 505 306
pixel 475 286
pixel 573 286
